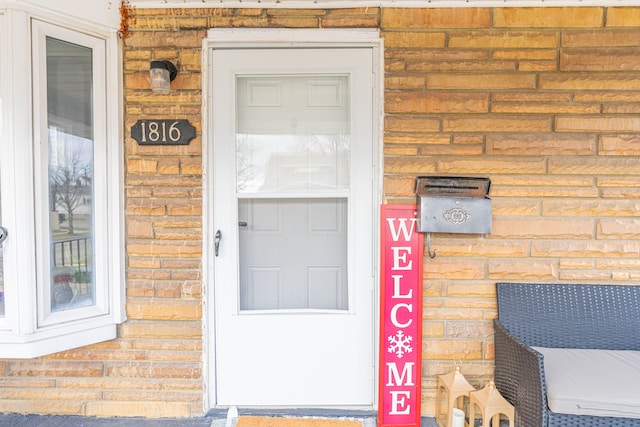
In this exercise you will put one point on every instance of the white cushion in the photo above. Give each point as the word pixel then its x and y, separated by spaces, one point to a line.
pixel 593 382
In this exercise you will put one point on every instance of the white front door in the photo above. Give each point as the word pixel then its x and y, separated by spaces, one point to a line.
pixel 293 162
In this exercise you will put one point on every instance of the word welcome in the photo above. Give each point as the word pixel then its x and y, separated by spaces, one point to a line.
pixel 401 323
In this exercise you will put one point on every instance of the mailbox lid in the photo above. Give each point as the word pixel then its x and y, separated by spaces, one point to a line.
pixel 453 186
pixel 454 215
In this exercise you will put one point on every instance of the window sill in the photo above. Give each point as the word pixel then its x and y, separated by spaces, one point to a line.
pixel 54 340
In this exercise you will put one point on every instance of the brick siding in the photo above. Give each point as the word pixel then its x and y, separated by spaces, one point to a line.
pixel 544 101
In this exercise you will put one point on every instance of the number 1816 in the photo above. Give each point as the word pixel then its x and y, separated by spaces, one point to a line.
pixel 158 132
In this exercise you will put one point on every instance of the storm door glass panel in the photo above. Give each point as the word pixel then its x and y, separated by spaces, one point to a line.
pixel 2 309
pixel 70 172
pixel 2 296
pixel 292 165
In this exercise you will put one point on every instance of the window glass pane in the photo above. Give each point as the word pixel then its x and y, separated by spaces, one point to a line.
pixel 293 136
pixel 293 254
pixel 70 128
pixel 292 133
pixel 2 309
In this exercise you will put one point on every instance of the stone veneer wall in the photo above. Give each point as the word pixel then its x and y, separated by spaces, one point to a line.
pixel 544 101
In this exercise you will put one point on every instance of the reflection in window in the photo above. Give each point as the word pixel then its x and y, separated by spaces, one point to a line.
pixel 293 146
pixel 292 133
pixel 69 100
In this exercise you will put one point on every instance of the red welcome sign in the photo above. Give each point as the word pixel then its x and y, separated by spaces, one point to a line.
pixel 401 317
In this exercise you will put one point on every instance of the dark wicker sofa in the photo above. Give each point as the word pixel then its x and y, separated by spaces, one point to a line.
pixel 558 316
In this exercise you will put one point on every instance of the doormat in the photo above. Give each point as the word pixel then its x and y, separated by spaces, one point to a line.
pixel 248 421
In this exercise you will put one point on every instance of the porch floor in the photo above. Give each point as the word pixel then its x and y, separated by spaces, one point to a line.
pixel 16 420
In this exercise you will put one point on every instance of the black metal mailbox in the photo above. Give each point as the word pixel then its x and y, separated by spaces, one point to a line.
pixel 449 204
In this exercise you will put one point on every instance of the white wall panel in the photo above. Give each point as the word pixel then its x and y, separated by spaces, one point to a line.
pixel 102 12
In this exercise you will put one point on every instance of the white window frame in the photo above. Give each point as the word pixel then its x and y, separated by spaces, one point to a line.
pixel 29 328
pixel 40 32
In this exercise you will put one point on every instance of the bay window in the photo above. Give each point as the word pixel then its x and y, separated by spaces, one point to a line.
pixel 61 268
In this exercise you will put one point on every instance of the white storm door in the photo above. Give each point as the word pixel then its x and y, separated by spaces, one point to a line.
pixel 293 161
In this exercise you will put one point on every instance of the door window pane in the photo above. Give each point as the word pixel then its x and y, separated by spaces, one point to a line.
pixel 70 132
pixel 292 133
pixel 293 136
pixel 293 254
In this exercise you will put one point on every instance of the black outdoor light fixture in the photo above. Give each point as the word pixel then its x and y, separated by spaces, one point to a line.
pixel 162 74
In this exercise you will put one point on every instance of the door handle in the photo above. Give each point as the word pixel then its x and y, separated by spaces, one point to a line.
pixel 3 234
pixel 216 241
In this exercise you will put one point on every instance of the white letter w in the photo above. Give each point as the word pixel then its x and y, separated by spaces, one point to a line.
pixel 395 233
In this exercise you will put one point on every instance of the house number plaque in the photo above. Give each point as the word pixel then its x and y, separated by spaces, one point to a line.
pixel 163 132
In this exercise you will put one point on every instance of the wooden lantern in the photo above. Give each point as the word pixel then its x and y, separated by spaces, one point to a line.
pixel 491 405
pixel 454 387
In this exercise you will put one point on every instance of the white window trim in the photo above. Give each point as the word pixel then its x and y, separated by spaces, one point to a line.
pixel 24 332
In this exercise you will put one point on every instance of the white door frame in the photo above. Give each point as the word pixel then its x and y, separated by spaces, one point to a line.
pixel 258 38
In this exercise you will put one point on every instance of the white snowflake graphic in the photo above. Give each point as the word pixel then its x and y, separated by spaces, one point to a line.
pixel 400 344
